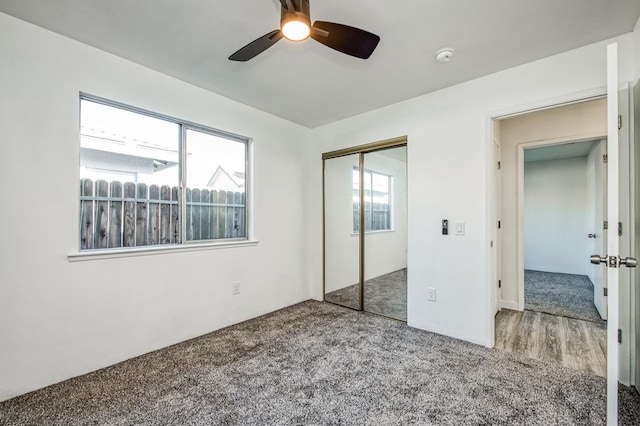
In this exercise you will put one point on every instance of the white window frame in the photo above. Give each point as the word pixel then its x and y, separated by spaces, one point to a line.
pixel 183 244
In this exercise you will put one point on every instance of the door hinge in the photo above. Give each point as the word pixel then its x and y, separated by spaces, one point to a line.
pixel 619 336
pixel 499 224
pixel 620 229
pixel 619 122
pixel 605 158
pixel 605 292
pixel 499 283
pixel 499 165
pixel 605 225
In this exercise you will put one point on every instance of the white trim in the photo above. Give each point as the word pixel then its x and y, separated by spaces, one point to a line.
pixel 114 253
pixel 572 98
pixel 509 304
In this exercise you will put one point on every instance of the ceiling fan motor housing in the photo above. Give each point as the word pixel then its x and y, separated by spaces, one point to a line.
pixel 301 12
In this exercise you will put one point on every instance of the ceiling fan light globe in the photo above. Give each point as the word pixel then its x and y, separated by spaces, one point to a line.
pixel 295 30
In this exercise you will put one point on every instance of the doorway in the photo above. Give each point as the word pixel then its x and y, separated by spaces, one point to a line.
pixel 365 189
pixel 536 241
pixel 563 216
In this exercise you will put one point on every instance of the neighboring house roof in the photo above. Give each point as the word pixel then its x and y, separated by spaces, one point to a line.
pixel 222 180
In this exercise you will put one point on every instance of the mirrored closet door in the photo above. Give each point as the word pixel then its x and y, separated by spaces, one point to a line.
pixel 341 252
pixel 385 242
pixel 366 188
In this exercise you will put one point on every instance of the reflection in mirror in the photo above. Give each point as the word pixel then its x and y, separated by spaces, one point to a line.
pixel 342 251
pixel 385 204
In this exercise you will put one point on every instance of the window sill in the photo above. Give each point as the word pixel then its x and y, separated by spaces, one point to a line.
pixel 154 250
pixel 382 231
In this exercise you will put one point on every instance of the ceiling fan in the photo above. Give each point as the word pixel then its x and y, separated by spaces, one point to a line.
pixel 295 25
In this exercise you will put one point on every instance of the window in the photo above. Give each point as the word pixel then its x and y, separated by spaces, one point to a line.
pixel 132 164
pixel 377 201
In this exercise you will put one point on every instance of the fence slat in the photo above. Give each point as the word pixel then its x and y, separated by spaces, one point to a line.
pixel 175 224
pixel 205 215
pixel 189 235
pixel 165 215
pixel 222 214
pixel 237 215
pixel 115 214
pixel 86 215
pixel 154 215
pixel 129 213
pixel 243 215
pixel 215 216
pixel 195 214
pixel 229 213
pixel 101 239
pixel 141 215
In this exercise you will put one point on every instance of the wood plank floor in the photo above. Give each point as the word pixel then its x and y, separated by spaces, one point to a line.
pixel 577 344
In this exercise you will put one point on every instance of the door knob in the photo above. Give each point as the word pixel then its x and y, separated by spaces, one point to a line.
pixel 629 262
pixel 592 235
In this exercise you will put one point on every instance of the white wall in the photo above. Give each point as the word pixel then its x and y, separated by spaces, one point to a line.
pixel 555 216
pixel 58 318
pixel 450 177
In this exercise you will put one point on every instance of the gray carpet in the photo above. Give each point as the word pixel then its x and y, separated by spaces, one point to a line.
pixel 385 295
pixel 319 364
pixel 566 295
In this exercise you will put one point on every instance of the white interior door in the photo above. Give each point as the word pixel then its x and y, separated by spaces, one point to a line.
pixel 612 237
pixel 613 259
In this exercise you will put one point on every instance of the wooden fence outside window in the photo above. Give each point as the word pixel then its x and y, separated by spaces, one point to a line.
pixel 116 214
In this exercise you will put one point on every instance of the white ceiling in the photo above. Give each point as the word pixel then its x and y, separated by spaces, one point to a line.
pixel 310 84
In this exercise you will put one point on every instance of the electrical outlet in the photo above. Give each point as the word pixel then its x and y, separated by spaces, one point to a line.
pixel 235 287
pixel 431 294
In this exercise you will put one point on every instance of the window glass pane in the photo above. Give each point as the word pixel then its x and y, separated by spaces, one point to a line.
pixel 215 179
pixel 377 201
pixel 130 170
pixel 129 178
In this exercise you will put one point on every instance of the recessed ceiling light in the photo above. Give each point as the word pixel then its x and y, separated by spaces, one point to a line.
pixel 444 55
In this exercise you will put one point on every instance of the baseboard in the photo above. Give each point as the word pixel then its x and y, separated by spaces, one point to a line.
pixel 509 304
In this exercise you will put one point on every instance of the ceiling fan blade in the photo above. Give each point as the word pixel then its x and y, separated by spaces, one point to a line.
pixel 287 5
pixel 345 39
pixel 257 46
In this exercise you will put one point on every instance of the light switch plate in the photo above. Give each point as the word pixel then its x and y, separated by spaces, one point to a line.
pixel 459 228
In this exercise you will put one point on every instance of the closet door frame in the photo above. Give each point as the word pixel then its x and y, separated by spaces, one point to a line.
pixel 361 150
